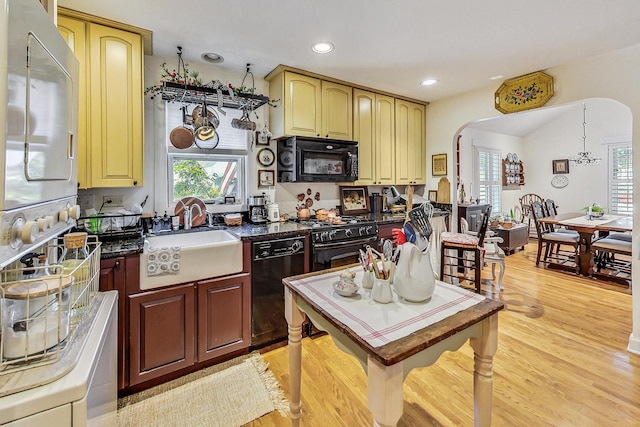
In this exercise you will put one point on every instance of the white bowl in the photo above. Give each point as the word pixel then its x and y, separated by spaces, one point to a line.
pixel 346 288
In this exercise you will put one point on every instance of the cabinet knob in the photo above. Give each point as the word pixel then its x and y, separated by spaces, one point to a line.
pixel 326 136
pixel 317 134
pixel 135 182
pixel 116 266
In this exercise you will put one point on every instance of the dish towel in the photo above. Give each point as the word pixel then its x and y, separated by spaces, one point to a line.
pixel 163 261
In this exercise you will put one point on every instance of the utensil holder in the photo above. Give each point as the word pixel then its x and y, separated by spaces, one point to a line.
pixel 382 291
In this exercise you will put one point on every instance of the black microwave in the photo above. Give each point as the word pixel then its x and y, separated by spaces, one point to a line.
pixel 306 159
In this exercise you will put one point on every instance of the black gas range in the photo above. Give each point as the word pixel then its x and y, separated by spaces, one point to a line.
pixel 334 245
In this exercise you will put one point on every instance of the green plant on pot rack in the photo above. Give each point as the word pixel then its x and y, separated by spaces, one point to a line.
pixel 183 79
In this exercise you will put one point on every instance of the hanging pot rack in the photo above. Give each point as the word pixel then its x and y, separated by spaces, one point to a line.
pixel 198 94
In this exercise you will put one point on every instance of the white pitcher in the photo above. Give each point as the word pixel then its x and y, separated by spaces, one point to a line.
pixel 414 279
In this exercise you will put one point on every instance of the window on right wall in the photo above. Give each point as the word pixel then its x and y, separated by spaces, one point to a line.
pixel 620 178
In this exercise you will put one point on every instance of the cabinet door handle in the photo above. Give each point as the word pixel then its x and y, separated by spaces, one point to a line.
pixel 116 266
pixel 135 182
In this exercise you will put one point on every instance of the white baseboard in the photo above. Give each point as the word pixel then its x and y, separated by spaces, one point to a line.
pixel 634 344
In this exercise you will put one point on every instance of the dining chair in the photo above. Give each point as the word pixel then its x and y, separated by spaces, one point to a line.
pixel 550 209
pixel 605 251
pixel 525 205
pixel 491 252
pixel 462 250
pixel 548 239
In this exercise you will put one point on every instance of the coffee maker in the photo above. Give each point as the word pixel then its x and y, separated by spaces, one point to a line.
pixel 257 209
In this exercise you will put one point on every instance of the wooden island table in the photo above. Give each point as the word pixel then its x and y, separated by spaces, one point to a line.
pixel 587 228
pixel 389 340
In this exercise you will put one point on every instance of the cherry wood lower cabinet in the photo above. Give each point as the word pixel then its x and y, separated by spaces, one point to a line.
pixel 117 274
pixel 161 332
pixel 167 325
pixel 224 316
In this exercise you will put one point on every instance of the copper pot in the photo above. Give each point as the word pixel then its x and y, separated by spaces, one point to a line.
pixel 304 213
pixel 181 137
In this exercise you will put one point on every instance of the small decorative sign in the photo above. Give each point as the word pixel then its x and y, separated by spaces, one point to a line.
pixel 524 92
pixel 439 164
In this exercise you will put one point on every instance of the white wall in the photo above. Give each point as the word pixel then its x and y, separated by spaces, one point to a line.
pixel 607 121
pixel 611 75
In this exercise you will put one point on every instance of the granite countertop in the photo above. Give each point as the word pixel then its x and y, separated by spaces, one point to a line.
pixel 246 231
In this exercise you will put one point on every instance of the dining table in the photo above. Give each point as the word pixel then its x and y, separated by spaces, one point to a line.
pixel 389 340
pixel 587 226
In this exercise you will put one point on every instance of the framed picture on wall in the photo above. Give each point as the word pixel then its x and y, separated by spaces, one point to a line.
pixel 439 164
pixel 266 178
pixel 354 200
pixel 433 195
pixel 560 166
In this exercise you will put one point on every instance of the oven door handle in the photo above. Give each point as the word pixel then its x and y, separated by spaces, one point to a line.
pixel 346 243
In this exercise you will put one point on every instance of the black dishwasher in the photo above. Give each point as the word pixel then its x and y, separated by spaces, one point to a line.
pixel 272 260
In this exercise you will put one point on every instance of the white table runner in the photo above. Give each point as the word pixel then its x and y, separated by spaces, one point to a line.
pixel 379 324
pixel 584 221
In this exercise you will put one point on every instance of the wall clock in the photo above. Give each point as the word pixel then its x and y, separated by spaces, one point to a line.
pixel 560 181
pixel 266 157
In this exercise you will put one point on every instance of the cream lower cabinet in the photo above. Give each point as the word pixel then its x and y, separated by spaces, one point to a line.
pixel 111 109
pixel 410 143
pixel 373 128
pixel 310 107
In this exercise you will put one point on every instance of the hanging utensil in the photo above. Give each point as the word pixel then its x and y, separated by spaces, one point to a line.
pixel 420 221
pixel 243 123
pixel 387 248
pixel 181 136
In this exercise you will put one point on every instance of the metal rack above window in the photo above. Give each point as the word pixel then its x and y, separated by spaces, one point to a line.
pixel 197 94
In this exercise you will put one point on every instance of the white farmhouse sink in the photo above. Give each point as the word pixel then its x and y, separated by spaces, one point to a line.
pixel 203 254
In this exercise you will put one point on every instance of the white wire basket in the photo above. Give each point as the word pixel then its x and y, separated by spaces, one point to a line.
pixel 42 306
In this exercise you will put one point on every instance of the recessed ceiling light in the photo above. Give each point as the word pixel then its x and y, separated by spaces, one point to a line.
pixel 498 77
pixel 322 47
pixel 428 82
pixel 211 57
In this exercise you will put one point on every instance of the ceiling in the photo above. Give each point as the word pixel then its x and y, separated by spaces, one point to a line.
pixel 522 123
pixel 386 45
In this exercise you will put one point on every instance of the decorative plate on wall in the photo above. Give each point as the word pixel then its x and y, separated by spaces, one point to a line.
pixel 266 157
pixel 560 181
pixel 524 92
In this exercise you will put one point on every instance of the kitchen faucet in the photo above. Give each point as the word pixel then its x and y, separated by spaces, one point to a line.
pixel 188 214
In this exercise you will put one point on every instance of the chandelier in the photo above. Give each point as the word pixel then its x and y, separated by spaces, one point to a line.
pixel 584 157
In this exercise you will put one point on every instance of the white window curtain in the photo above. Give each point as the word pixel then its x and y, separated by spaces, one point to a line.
pixel 620 174
pixel 489 178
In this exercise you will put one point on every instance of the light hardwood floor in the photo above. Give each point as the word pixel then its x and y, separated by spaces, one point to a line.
pixel 561 361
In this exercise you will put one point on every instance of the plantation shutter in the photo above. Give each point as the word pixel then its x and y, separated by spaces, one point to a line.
pixel 489 178
pixel 620 179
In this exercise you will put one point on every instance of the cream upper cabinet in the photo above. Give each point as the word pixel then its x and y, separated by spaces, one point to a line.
pixel 310 107
pixel 337 110
pixel 410 143
pixel 302 105
pixel 364 131
pixel 385 139
pixel 373 128
pixel 73 31
pixel 110 149
pixel 116 116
